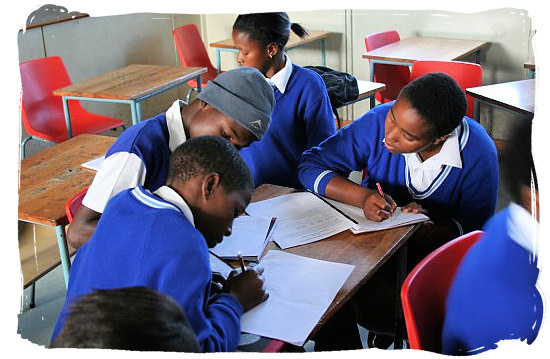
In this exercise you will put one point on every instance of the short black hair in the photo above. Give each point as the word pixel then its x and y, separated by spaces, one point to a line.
pixel 211 154
pixel 268 27
pixel 518 167
pixel 438 99
pixel 132 318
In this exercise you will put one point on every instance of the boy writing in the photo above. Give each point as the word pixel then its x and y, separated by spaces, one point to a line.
pixel 160 240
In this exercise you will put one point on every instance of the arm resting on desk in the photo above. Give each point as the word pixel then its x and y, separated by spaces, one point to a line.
pixel 82 227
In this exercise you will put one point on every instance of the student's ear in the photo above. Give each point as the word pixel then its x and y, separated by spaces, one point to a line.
pixel 272 49
pixel 210 184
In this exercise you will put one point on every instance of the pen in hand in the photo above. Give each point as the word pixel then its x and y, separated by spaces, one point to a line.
pixel 243 268
pixel 381 193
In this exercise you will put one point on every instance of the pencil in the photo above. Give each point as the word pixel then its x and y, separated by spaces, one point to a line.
pixel 381 193
pixel 243 268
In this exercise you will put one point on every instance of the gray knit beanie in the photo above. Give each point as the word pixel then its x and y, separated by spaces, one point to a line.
pixel 244 95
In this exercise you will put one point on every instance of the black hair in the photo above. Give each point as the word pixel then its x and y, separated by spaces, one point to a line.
pixel 438 99
pixel 268 27
pixel 133 318
pixel 518 167
pixel 211 154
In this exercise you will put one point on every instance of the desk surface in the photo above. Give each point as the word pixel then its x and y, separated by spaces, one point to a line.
pixel 425 48
pixel 131 82
pixel 367 252
pixel 293 40
pixel 51 177
pixel 517 96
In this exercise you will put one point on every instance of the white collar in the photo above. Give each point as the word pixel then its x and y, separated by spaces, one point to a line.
pixel 169 195
pixel 523 228
pixel 449 155
pixel 176 132
pixel 280 79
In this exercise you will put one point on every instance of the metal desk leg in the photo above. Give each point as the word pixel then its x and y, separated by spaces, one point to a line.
pixel 476 110
pixel 478 57
pixel 219 60
pixel 399 319
pixel 199 83
pixel 371 66
pixel 138 111
pixel 134 111
pixel 323 53
pixel 63 252
pixel 67 117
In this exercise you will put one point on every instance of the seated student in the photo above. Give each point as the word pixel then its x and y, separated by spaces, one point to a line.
pixel 428 158
pixel 132 318
pixel 302 116
pixel 160 240
pixel 237 105
pixel 494 295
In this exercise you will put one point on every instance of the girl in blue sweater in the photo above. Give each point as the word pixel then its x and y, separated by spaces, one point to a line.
pixel 428 158
pixel 302 116
pixel 494 294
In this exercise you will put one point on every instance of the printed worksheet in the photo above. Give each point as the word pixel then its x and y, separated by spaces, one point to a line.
pixel 300 291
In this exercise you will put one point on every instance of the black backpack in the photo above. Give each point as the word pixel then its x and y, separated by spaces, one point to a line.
pixel 341 87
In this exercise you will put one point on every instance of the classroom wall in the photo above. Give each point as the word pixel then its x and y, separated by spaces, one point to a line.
pixel 91 46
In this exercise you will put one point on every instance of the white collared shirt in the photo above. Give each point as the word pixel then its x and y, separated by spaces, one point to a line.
pixel 280 79
pixel 169 195
pixel 423 173
pixel 175 125
pixel 523 228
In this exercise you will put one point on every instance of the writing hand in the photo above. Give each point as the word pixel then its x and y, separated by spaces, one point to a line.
pixel 247 287
pixel 378 208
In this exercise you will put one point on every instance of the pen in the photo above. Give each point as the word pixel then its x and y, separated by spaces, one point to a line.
pixel 381 193
pixel 241 261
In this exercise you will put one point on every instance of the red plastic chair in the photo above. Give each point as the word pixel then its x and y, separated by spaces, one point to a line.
pixel 42 112
pixel 192 53
pixel 74 203
pixel 393 76
pixel 466 74
pixel 424 292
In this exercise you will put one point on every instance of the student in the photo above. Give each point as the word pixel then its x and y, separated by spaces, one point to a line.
pixel 494 294
pixel 160 240
pixel 428 158
pixel 237 105
pixel 302 116
pixel 133 318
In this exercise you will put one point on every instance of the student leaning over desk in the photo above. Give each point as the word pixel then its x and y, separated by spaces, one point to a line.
pixel 428 158
pixel 302 116
pixel 160 240
pixel 237 105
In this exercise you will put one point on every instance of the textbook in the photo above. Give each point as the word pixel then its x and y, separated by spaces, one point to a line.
pixel 362 224
pixel 249 236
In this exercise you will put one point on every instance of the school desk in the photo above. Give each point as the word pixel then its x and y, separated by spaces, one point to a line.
pixel 367 252
pixel 48 179
pixel 514 96
pixel 294 41
pixel 128 85
pixel 406 51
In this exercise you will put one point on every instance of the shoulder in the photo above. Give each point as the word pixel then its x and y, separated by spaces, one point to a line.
pixel 475 141
pixel 148 133
pixel 306 77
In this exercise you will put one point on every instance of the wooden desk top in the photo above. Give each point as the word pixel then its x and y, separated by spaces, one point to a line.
pixel 48 179
pixel 366 89
pixel 131 82
pixel 367 252
pixel 517 96
pixel 413 49
pixel 293 40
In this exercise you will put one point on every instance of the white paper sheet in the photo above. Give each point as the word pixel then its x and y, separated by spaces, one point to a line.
pixel 219 266
pixel 302 218
pixel 300 291
pixel 399 218
pixel 249 236
pixel 94 164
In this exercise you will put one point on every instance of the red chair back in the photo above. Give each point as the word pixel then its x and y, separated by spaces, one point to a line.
pixel 424 292
pixel 466 74
pixel 393 76
pixel 192 52
pixel 73 204
pixel 42 112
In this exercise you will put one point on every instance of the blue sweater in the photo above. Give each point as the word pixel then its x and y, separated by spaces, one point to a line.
pixel 467 195
pixel 493 296
pixel 157 247
pixel 301 119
